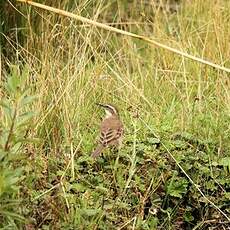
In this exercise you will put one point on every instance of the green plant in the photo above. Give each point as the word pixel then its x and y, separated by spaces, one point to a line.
pixel 171 107
pixel 14 127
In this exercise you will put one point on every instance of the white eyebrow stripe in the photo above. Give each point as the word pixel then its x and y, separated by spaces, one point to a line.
pixel 112 108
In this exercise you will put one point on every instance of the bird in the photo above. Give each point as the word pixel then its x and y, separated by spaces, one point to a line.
pixel 111 129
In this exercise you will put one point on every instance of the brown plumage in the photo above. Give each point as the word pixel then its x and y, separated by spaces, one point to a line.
pixel 111 130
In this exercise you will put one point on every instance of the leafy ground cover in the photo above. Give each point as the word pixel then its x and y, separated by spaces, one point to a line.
pixel 173 169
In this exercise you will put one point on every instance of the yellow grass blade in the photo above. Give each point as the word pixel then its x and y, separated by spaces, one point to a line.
pixel 110 28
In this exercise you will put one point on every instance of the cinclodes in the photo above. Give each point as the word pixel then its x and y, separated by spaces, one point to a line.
pixel 111 129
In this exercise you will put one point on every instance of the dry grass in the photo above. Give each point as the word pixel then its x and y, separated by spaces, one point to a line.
pixel 74 65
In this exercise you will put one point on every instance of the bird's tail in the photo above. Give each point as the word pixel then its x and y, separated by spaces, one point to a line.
pixel 98 151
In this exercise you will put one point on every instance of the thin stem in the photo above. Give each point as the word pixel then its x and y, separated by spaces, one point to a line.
pixel 7 145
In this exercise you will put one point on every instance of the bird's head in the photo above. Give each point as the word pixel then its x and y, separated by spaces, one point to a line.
pixel 110 110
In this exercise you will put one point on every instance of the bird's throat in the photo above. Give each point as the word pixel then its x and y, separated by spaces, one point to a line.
pixel 108 114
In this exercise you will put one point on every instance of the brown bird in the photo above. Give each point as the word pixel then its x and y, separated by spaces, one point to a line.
pixel 111 129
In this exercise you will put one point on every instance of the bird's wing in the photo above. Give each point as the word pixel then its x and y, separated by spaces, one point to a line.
pixel 109 135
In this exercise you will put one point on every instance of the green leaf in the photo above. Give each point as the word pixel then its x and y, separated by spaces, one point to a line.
pixel 188 217
pixel 102 189
pixel 90 212
pixel 153 140
pixel 12 214
pixel 24 74
pixel 13 84
pixel 227 195
pixel 225 162
pixel 15 147
pixel 82 159
pixel 5 103
pixel 180 144
pixel 23 118
pixel 2 185
pixel 27 100
pixel 2 154
pixel 8 180
pixel 7 108
pixel 77 187
pixel 177 187
pixel 29 140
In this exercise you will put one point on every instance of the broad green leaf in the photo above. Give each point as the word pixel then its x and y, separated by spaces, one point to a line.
pixel 177 187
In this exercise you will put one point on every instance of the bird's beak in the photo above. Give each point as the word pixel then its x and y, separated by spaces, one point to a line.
pixel 99 104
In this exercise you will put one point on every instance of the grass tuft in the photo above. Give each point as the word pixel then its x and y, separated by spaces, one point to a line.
pixel 173 169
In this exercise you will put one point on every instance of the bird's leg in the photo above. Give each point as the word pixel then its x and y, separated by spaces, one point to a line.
pixel 116 164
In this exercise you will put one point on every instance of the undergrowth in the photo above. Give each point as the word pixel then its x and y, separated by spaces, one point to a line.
pixel 170 106
pixel 15 124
